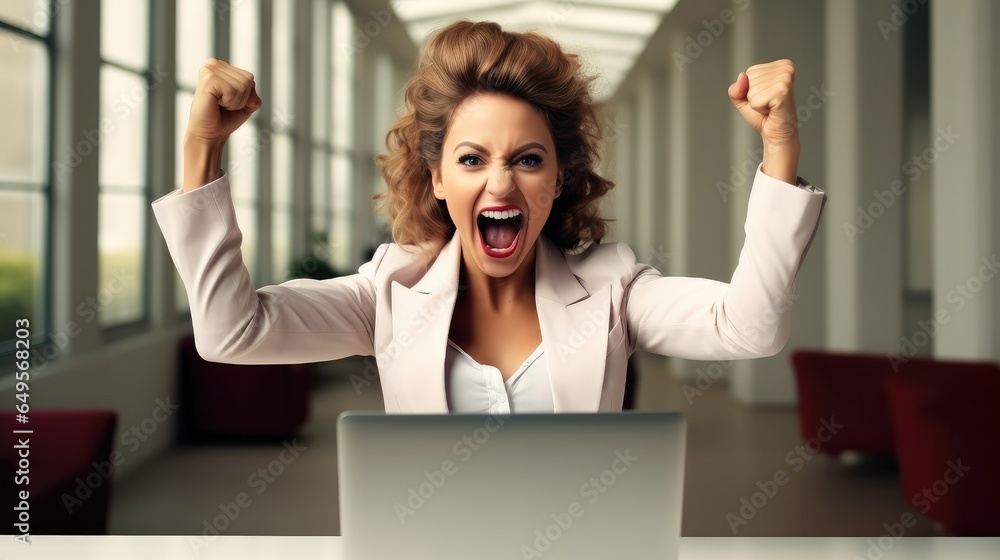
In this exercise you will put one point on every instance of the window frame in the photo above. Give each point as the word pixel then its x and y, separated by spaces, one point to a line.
pixel 40 333
pixel 113 332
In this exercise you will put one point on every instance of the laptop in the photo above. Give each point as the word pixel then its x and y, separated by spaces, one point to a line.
pixel 517 486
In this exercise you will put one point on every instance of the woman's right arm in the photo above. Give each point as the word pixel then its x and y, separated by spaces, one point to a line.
pixel 295 322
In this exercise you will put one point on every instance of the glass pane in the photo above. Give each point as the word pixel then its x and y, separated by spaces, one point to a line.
pixel 383 101
pixel 22 262
pixel 319 222
pixel 281 224
pixel 194 38
pixel 245 35
pixel 340 246
pixel 341 207
pixel 125 32
pixel 33 15
pixel 343 69
pixel 24 98
pixel 246 219
pixel 282 62
pixel 183 111
pixel 320 195
pixel 281 198
pixel 122 128
pixel 281 167
pixel 244 155
pixel 321 72
pixel 121 240
pixel 342 201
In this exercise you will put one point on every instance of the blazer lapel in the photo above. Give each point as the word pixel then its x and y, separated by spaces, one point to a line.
pixel 421 319
pixel 573 322
pixel 574 325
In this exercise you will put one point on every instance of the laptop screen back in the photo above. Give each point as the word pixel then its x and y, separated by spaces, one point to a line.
pixel 520 486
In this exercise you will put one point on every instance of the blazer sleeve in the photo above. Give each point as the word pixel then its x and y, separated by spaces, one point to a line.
pixel 298 321
pixel 702 319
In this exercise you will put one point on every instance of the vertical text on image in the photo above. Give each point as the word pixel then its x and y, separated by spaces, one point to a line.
pixel 22 437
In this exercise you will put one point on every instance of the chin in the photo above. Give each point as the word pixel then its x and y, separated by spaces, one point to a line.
pixel 499 270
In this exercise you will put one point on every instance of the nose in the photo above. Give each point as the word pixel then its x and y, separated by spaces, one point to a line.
pixel 500 183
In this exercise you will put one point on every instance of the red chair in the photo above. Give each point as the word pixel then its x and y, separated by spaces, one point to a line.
pixel 240 400
pixel 69 470
pixel 847 389
pixel 946 421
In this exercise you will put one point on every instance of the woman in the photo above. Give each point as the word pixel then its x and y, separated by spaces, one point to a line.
pixel 496 296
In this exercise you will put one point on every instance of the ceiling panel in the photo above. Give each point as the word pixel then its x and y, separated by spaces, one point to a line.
pixel 609 34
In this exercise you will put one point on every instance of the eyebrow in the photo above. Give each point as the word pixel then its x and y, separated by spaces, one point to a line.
pixel 479 148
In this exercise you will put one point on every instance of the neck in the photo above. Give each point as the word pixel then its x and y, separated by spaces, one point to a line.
pixel 486 293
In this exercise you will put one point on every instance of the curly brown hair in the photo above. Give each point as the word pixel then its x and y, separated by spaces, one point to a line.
pixel 466 58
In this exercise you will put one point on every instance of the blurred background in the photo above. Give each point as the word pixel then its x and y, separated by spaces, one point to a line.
pixel 898 124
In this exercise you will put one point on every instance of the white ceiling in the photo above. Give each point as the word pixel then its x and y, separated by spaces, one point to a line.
pixel 610 34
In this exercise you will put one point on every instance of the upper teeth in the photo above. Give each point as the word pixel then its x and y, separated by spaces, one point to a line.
pixel 498 215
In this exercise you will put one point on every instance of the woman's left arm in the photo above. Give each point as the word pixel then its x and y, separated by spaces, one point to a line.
pixel 748 317
pixel 697 318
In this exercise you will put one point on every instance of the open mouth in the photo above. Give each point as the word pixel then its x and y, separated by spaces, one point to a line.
pixel 499 229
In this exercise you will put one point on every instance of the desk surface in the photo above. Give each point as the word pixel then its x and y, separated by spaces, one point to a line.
pixel 328 548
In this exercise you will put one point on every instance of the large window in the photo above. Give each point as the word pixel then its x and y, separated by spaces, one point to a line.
pixel 245 144
pixel 24 173
pixel 266 155
pixel 386 94
pixel 331 209
pixel 282 159
pixel 331 116
pixel 195 44
pixel 126 80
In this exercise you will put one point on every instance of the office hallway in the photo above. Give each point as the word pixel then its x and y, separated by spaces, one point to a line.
pixel 731 448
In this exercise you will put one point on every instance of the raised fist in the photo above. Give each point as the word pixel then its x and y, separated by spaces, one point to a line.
pixel 224 99
pixel 765 97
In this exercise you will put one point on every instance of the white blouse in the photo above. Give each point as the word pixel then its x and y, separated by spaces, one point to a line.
pixel 474 387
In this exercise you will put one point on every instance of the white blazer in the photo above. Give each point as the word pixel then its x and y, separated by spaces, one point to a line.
pixel 594 308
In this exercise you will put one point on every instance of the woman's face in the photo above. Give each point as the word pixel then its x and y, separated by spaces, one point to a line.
pixel 499 176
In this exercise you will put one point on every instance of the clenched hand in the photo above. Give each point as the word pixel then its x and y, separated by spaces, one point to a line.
pixel 225 97
pixel 765 97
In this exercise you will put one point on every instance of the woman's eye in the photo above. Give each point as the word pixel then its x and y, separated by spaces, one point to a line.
pixel 529 160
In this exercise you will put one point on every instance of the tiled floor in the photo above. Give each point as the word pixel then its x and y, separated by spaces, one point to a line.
pixel 731 449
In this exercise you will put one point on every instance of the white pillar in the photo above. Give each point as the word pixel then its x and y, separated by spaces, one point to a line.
pixel 863 216
pixel 649 202
pixel 769 30
pixel 698 233
pixel 622 172
pixel 966 205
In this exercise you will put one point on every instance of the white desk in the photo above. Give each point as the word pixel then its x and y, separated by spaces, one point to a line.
pixel 328 548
